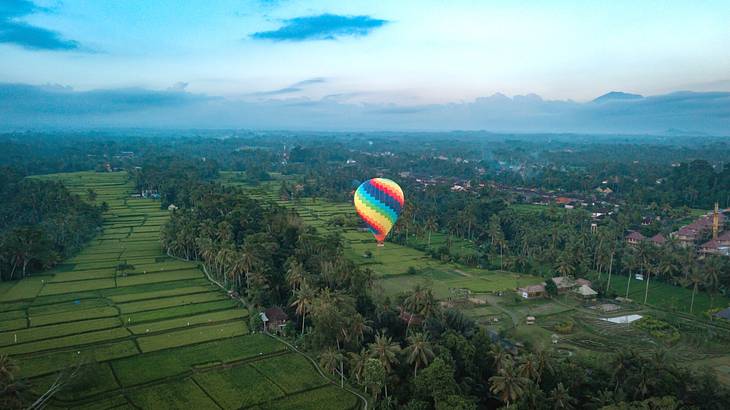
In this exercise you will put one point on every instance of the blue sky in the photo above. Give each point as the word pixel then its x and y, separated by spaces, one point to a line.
pixel 401 53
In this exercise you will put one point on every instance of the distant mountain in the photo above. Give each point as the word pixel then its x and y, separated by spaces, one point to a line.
pixel 24 106
pixel 617 95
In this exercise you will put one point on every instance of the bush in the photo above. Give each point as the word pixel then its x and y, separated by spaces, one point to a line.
pixel 565 327
pixel 658 329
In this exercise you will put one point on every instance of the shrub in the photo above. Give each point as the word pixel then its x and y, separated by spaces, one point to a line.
pixel 565 327
pixel 658 329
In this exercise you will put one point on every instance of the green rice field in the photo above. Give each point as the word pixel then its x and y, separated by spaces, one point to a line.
pixel 158 336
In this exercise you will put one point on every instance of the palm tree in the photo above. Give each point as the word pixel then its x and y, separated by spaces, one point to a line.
pixel 528 368
pixel 565 264
pixel 560 398
pixel 695 278
pixel 330 360
pixel 295 275
pixel 357 363
pixel 303 302
pixel 419 351
pixel 385 350
pixel 713 271
pixel 507 384
pixel 413 303
pixel 431 225
pixel 500 356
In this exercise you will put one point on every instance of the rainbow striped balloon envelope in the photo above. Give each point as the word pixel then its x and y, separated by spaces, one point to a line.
pixel 379 202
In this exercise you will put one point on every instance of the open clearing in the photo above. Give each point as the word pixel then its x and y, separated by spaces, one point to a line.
pixel 157 336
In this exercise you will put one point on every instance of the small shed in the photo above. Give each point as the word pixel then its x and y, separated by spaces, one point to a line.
pixel 274 319
pixel 530 320
pixel 585 292
pixel 532 291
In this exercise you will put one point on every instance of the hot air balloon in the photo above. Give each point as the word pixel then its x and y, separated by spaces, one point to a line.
pixel 379 202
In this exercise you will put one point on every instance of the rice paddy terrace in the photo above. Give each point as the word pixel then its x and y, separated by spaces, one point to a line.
pixel 149 330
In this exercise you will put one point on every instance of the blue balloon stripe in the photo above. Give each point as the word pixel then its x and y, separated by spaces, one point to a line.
pixel 378 206
pixel 382 197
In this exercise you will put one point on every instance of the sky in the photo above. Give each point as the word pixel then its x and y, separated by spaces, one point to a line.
pixel 358 57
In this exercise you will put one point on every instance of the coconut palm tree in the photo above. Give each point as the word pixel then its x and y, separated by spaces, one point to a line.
pixel 357 363
pixel 303 299
pixel 564 265
pixel 508 385
pixel 695 278
pixel 413 303
pixel 330 360
pixel 500 356
pixel 528 368
pixel 295 275
pixel 712 268
pixel 385 350
pixel 560 398
pixel 419 351
pixel 430 225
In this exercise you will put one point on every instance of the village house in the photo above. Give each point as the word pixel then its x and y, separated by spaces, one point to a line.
pixel 586 293
pixel 564 283
pixel 634 237
pixel 274 319
pixel 532 291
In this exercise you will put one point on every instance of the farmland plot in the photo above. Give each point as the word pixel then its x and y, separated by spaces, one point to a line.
pixel 133 317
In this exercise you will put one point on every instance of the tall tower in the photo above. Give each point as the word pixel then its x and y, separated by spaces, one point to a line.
pixel 716 221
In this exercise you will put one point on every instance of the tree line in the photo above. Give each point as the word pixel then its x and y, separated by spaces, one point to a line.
pixel 41 223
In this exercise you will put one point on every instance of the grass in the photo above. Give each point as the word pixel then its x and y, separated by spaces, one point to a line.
pixel 40 364
pixel 286 372
pixel 55 331
pixel 666 296
pixel 191 336
pixel 183 394
pixel 161 303
pixel 219 316
pixel 225 387
pixel 324 398
pixel 172 312
pixel 67 341
pixel 72 316
pixel 165 363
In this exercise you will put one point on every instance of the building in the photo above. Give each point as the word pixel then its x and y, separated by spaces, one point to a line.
pixel 658 240
pixel 586 293
pixel 634 237
pixel 712 223
pixel 723 314
pixel 274 319
pixel 564 283
pixel 532 291
pixel 715 247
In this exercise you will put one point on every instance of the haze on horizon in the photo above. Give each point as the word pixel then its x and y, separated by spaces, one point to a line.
pixel 417 65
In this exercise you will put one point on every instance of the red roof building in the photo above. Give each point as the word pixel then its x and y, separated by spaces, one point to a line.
pixel 658 239
pixel 634 237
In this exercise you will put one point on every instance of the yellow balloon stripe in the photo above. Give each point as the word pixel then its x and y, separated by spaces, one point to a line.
pixel 373 213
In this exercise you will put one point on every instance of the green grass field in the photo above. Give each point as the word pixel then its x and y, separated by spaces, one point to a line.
pixel 140 334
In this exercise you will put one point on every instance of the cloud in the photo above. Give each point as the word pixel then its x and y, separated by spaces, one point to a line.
pixel 293 88
pixel 25 107
pixel 322 27
pixel 315 80
pixel 25 35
